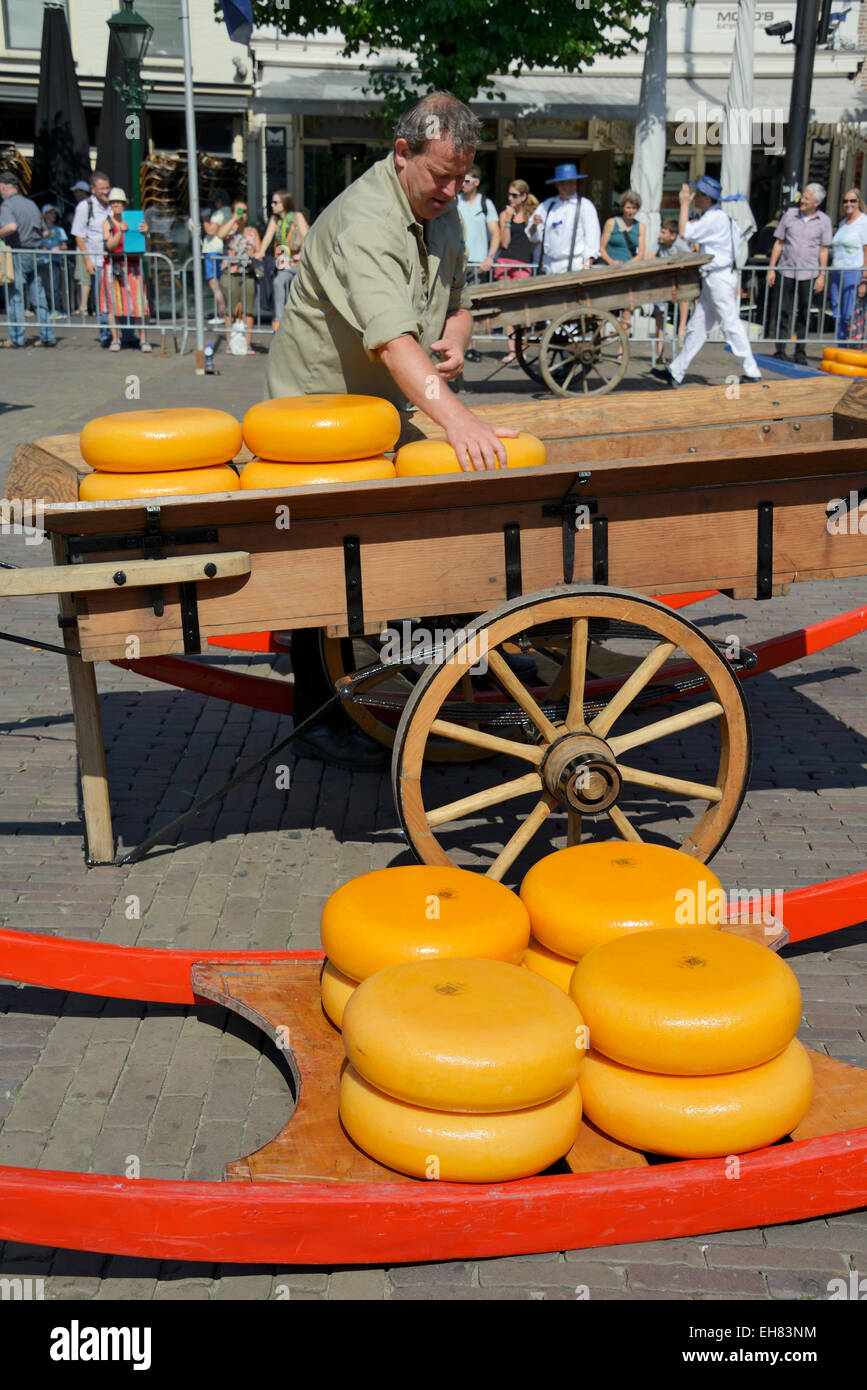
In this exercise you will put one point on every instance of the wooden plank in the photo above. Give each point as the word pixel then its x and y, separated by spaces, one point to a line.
pixel 35 472
pixel 451 560
pixel 839 1100
pixel 700 410
pixel 88 737
pixel 78 579
pixel 573 285
pixel 283 1000
pixel 595 1152
pixel 850 413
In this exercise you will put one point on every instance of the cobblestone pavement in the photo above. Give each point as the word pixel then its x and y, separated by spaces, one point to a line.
pixel 86 1083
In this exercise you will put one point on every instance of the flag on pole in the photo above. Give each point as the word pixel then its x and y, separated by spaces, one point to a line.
pixel 239 19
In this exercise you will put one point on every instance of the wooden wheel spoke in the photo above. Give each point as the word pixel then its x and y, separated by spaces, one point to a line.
pixel 632 687
pixel 573 827
pixel 577 676
pixel 663 727
pixel 521 695
pixel 479 739
pixel 623 824
pixel 522 837
pixel 479 801
pixel 669 784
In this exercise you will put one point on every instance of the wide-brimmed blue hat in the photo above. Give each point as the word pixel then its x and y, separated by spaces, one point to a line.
pixel 712 187
pixel 563 172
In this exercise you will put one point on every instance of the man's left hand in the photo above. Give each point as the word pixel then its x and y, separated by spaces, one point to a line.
pixel 451 362
pixel 486 264
pixel 819 283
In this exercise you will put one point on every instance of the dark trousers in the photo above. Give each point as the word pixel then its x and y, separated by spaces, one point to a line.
pixel 790 295
pixel 312 686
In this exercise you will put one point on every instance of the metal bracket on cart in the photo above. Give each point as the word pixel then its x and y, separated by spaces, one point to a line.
pixel 569 507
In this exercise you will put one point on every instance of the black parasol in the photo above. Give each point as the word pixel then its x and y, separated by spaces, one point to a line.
pixel 61 150
pixel 113 149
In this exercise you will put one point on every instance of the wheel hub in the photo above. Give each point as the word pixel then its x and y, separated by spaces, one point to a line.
pixel 581 772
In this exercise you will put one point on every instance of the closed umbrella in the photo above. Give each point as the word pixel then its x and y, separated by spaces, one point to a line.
pixel 61 149
pixel 738 147
pixel 648 156
pixel 113 149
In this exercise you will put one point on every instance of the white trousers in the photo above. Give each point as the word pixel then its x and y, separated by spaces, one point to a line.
pixel 717 303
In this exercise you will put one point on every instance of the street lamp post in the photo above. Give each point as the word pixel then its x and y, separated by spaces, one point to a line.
pixel 131 35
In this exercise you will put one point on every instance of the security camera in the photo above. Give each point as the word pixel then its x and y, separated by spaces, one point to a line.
pixel 778 30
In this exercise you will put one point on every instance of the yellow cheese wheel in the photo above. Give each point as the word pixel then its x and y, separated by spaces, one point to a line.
pixel 849 355
pixel 467 1035
pixel 436 456
pixel 192 482
pixel 321 428
pixel 830 354
pixel 586 894
pixel 160 441
pixel 260 473
pixel 335 989
pixel 557 969
pixel 687 1003
pixel 417 911
pixel 699 1116
pixel 458 1148
pixel 842 368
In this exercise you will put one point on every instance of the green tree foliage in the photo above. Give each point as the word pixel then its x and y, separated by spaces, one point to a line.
pixel 461 45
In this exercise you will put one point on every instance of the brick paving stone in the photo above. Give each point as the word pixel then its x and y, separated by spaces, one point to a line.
pixel 818 1235
pixel 462 1273
pixel 688 1279
pixel 790 1284
pixel 309 1280
pixel 444 1294
pixel 97 1073
pixel 72 1288
pixel 217 1143
pixel 680 1252
pixel 136 1096
pixel 747 1257
pixel 250 1287
pixel 357 1285
pixel 172 1131
pixel 73 1135
pixel 193 1292
pixel 138 1290
pixel 593 1275
pixel 114 1147
pixel 39 1100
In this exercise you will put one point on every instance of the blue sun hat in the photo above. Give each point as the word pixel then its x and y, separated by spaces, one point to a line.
pixel 712 187
pixel 563 172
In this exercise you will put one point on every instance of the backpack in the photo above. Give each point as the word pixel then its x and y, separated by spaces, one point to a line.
pixel 740 245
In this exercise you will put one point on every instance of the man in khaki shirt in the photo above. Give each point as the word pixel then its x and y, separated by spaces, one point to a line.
pixel 381 286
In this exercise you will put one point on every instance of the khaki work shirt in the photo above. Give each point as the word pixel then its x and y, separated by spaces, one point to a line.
pixel 369 272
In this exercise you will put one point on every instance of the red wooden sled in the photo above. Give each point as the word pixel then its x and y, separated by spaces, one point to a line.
pixel 310 1197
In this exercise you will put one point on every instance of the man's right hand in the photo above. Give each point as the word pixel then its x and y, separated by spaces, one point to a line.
pixel 477 445
pixel 772 275
pixel 89 266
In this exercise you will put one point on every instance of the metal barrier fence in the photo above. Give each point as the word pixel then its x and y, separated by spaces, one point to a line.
pixel 134 296
pixel 138 296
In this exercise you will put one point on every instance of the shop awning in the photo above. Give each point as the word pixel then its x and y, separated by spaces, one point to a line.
pixel 338 92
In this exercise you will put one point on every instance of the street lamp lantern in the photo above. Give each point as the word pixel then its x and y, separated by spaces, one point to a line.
pixel 130 33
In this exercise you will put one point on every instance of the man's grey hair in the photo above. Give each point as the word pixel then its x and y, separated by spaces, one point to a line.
pixel 817 191
pixel 439 116
pixel 9 179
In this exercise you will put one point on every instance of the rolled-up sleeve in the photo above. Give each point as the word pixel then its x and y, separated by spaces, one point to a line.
pixel 367 286
pixel 459 294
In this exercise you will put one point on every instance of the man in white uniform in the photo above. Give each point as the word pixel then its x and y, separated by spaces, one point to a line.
pixel 566 225
pixel 715 233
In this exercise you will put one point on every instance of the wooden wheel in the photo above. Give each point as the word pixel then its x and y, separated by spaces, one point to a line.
pixel 584 353
pixel 572 764
pixel 527 342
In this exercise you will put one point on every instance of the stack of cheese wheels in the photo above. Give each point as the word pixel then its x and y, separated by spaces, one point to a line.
pixel 843 362
pixel 322 439
pixel 436 456
pixel 464 1070
pixel 580 897
pixel 414 912
pixel 693 1043
pixel 183 451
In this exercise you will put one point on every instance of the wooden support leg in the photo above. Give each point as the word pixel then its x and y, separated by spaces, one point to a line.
pixel 88 738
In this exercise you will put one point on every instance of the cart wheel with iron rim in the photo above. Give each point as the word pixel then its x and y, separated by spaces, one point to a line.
pixel 584 353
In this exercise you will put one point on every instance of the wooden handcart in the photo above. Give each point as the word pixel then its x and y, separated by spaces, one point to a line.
pixel 563 564
pixel 567 331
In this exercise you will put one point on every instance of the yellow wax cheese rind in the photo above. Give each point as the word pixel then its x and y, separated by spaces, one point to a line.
pixel 456 1147
pixel 417 911
pixel 336 989
pixel 464 1035
pixel 425 456
pixel 322 428
pixel 687 1003
pixel 112 487
pixel 584 895
pixel 259 473
pixel 699 1116
pixel 160 441
pixel 557 969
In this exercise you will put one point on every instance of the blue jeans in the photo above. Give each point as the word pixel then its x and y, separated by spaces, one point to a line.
pixel 26 268
pixel 843 287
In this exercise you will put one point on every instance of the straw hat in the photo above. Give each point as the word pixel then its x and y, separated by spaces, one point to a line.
pixel 117 195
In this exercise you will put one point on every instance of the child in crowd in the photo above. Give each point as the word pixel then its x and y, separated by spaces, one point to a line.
pixel 669 244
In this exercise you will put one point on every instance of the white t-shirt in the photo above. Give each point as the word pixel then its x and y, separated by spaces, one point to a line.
pixel 558 217
pixel 212 245
pixel 87 223
pixel 847 244
pixel 475 217
pixel 714 233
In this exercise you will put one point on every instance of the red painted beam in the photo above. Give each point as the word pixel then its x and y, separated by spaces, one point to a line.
pixel 383 1223
pixel 258 692
pixel 825 907
pixel 116 972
